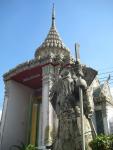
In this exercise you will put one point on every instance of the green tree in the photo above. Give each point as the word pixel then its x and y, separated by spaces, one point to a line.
pixel 22 146
pixel 102 142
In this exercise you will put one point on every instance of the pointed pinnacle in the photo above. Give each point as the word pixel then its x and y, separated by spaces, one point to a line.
pixel 53 16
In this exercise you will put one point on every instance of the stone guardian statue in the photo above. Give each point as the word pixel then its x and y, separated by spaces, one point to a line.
pixel 64 97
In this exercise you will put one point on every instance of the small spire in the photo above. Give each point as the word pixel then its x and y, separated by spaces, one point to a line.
pixel 77 52
pixel 53 16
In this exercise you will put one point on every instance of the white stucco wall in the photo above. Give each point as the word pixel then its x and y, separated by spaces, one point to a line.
pixel 15 115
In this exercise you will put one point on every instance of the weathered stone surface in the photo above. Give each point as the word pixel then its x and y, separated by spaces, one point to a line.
pixel 65 100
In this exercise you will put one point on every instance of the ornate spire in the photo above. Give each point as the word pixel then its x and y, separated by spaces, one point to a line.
pixel 53 39
pixel 53 16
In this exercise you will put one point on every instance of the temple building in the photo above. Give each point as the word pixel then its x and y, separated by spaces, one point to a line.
pixel 28 116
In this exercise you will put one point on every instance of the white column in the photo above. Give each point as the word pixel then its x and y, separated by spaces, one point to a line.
pixel 40 126
pixel 4 111
pixel 105 120
pixel 110 118
pixel 47 110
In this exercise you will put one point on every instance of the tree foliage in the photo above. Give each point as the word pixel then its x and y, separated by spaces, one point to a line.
pixel 22 146
pixel 102 142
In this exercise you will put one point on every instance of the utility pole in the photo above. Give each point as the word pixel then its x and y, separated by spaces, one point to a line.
pixel 80 98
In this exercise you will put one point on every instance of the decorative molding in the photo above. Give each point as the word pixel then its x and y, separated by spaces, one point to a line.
pixel 31 64
pixel 21 67
pixel 52 41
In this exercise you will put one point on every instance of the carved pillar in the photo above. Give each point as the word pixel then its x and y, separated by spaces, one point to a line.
pixel 47 110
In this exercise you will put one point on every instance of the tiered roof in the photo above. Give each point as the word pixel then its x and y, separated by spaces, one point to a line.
pixel 53 39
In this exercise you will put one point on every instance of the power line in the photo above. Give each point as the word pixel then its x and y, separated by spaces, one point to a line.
pixel 106 77
pixel 110 68
pixel 105 72
pixel 111 83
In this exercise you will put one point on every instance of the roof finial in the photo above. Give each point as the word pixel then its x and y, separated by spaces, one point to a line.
pixel 53 16
pixel 77 50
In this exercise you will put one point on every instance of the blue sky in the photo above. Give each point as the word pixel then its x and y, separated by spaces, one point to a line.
pixel 24 25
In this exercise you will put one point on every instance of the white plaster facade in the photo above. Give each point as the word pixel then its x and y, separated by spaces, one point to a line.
pixel 15 115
